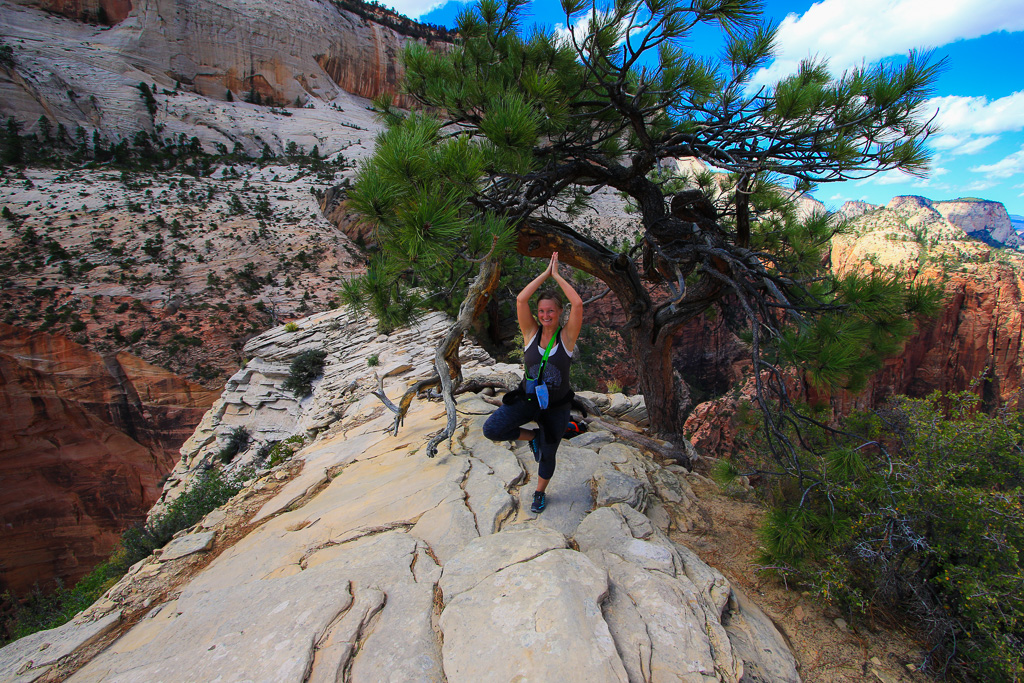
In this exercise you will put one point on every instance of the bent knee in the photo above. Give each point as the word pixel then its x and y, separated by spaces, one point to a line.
pixel 495 429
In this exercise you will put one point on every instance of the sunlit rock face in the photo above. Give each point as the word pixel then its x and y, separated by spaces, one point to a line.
pixel 85 443
pixel 192 54
pixel 988 221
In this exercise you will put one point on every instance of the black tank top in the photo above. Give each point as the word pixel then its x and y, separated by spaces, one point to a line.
pixel 556 370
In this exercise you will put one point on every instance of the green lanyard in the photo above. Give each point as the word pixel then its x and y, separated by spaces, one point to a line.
pixel 544 359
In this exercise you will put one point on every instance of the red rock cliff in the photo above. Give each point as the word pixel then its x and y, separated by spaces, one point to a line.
pixel 85 442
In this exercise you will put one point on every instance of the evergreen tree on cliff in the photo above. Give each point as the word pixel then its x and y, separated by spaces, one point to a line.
pixel 517 131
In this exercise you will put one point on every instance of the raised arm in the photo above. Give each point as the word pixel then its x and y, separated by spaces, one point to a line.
pixel 572 327
pixel 527 324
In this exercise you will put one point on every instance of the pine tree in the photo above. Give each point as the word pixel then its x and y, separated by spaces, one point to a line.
pixel 14 148
pixel 45 130
pixel 520 126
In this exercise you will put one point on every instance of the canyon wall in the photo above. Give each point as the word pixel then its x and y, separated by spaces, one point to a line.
pixel 195 56
pixel 85 445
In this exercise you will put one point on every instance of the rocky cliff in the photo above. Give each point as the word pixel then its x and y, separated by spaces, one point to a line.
pixel 360 556
pixel 193 54
pixel 982 220
pixel 85 445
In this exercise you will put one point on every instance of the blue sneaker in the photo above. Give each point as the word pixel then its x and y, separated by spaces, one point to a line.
pixel 535 448
pixel 539 503
pixel 535 443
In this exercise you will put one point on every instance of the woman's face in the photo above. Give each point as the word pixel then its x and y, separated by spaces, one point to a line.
pixel 548 312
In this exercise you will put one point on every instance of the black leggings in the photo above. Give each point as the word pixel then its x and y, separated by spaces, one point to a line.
pixel 505 422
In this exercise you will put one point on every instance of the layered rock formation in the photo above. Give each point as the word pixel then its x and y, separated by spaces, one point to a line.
pixel 988 221
pixel 360 556
pixel 192 55
pixel 854 209
pixel 85 445
pixel 983 220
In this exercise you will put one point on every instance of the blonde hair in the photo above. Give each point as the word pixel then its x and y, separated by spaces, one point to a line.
pixel 550 294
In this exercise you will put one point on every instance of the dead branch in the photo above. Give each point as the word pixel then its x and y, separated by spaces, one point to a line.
pixel 669 452
pixel 446 357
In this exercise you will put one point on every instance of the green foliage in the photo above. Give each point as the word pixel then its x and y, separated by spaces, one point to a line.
pixel 148 98
pixel 238 441
pixel 42 611
pixel 384 294
pixel 7 56
pixel 373 360
pixel 274 452
pixel 207 492
pixel 306 367
pixel 918 508
pixel 291 327
pixel 591 359
pixel 415 191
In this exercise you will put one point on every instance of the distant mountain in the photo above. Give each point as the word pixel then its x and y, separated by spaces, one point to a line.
pixel 981 219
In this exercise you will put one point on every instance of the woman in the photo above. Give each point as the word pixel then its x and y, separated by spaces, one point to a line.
pixel 546 359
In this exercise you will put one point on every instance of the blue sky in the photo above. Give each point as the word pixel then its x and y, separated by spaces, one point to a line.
pixel 979 98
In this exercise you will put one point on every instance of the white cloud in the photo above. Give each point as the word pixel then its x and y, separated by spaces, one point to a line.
pixel 849 33
pixel 980 186
pixel 957 144
pixel 929 182
pixel 893 177
pixel 977 115
pixel 1004 168
pixel 415 9
pixel 582 27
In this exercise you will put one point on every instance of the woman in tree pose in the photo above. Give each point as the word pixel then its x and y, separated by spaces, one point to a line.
pixel 546 359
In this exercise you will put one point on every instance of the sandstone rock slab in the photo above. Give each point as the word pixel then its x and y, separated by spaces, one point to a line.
pixel 488 555
pixel 30 657
pixel 187 545
pixel 536 620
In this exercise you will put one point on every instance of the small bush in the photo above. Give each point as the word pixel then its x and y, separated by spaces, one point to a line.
pixel 208 492
pixel 373 360
pixel 922 512
pixel 291 327
pixel 274 452
pixel 238 441
pixel 306 367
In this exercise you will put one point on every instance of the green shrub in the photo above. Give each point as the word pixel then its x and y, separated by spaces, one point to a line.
pixel 923 513
pixel 274 452
pixel 291 327
pixel 238 441
pixel 306 367
pixel 373 360
pixel 208 491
